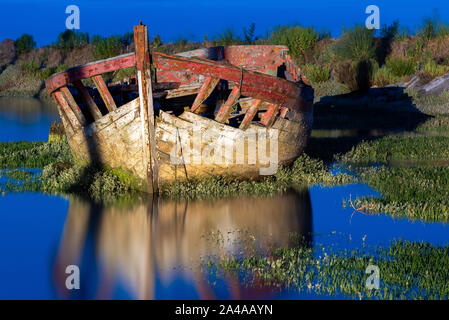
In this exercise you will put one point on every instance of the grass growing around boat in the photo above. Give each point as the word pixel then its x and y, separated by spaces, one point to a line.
pixel 408 270
pixel 61 175
pixel 304 172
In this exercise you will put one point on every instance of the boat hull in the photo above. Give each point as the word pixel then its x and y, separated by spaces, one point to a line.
pixel 214 148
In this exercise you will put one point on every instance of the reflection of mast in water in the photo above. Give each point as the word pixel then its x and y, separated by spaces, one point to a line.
pixel 133 245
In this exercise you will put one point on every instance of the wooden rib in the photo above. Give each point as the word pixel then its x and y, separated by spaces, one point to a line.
pixel 184 90
pixel 62 101
pixel 208 86
pixel 71 75
pixel 283 112
pixel 250 113
pixel 91 105
pixel 269 116
pixel 226 109
pixel 104 92
pixel 73 105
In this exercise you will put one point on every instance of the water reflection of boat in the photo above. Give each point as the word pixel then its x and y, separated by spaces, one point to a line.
pixel 156 242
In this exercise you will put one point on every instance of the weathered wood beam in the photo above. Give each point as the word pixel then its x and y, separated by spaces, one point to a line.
pixel 91 105
pixel 257 85
pixel 89 70
pixel 225 110
pixel 146 106
pixel 74 106
pixel 283 112
pixel 208 86
pixel 104 92
pixel 250 113
pixel 62 101
pixel 269 116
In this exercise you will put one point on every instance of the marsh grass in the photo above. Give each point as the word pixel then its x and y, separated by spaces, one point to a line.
pixel 304 172
pixel 418 193
pixel 397 148
pixel 24 154
pixel 408 270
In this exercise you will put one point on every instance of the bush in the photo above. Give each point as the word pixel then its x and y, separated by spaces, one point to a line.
pixel 355 75
pixel 317 73
pixel 356 44
pixel 29 68
pixel 25 43
pixel 299 40
pixel 111 46
pixel 401 67
pixel 431 70
pixel 69 40
pixel 227 37
pixel 383 77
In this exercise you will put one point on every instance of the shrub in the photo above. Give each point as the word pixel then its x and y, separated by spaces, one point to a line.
pixel 29 68
pixel 401 67
pixel 355 75
pixel 69 40
pixel 249 34
pixel 299 40
pixel 110 46
pixel 317 73
pixel 25 43
pixel 431 70
pixel 383 77
pixel 156 42
pixel 227 37
pixel 356 44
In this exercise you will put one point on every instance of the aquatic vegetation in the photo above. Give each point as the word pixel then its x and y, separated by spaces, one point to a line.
pixel 98 184
pixel 394 148
pixel 420 192
pixel 25 154
pixel 408 270
pixel 304 172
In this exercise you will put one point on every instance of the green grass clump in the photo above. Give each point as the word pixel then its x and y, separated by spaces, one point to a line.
pixel 401 67
pixel 317 73
pixel 25 154
pixel 392 148
pixel 408 270
pixel 356 44
pixel 383 77
pixel 304 172
pixel 418 193
pixel 98 184
pixel 299 40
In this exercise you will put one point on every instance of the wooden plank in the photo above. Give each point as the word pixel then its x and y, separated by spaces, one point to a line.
pixel 208 86
pixel 283 112
pixel 89 70
pixel 146 106
pixel 91 105
pixel 225 110
pixel 62 101
pixel 74 106
pixel 250 113
pixel 257 85
pixel 269 116
pixel 184 90
pixel 104 92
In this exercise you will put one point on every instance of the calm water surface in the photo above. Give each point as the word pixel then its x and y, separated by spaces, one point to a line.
pixel 150 249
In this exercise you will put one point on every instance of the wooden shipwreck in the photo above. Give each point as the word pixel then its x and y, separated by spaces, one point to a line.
pixel 227 104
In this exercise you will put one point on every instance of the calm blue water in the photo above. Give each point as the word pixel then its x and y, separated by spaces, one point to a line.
pixel 25 119
pixel 151 249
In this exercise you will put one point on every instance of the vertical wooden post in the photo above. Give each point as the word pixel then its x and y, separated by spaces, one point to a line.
pixel 146 105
